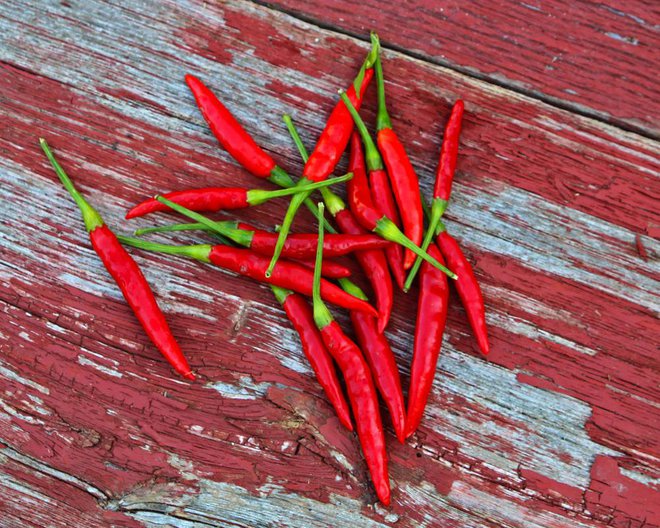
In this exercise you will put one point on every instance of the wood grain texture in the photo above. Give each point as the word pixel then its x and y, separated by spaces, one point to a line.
pixel 594 58
pixel 557 428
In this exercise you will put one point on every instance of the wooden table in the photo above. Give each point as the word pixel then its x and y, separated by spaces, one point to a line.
pixel 555 203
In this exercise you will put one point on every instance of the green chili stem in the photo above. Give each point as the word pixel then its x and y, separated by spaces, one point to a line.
pixel 387 229
pixel 196 226
pixel 259 196
pixel 90 216
pixel 383 120
pixel 371 154
pixel 369 62
pixel 241 237
pixel 333 202
pixel 436 214
pixel 198 252
pixel 322 316
pixel 280 293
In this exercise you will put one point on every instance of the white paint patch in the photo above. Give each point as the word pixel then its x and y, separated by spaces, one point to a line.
pixel 544 424
pixel 246 389
pixel 86 362
pixel 496 509
pixel 10 374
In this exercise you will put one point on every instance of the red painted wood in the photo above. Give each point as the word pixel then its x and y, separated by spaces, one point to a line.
pixel 85 394
pixel 591 57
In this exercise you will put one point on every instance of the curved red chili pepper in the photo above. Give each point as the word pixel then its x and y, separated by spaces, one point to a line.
pixel 444 176
pixel 374 265
pixel 218 198
pixel 301 317
pixel 288 275
pixel 431 317
pixel 330 268
pixel 362 203
pixel 381 361
pixel 127 275
pixel 364 402
pixel 336 134
pixel 401 172
pixel 229 132
pixel 372 219
pixel 359 384
pixel 328 150
pixel 467 287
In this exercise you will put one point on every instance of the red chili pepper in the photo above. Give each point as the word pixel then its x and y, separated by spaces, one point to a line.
pixel 301 317
pixel 330 268
pixel 402 175
pixel 362 203
pixel 212 199
pixel 288 275
pixel 466 285
pixel 359 384
pixel 372 219
pixel 233 137
pixel 431 317
pixel 444 176
pixel 381 361
pixel 372 262
pixel 127 275
pixel 297 246
pixel 329 148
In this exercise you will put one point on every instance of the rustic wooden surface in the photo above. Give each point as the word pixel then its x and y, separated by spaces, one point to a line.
pixel 555 203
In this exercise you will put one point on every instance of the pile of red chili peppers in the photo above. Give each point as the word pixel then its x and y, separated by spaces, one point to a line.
pixel 382 225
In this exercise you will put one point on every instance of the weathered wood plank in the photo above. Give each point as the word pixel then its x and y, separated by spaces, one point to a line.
pixel 594 58
pixel 521 440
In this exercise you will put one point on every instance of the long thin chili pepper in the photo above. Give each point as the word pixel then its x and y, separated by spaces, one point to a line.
pixel 431 317
pixel 361 201
pixel 329 147
pixel 402 175
pixel 330 269
pixel 372 262
pixel 212 199
pixel 302 318
pixel 444 176
pixel 372 219
pixel 359 384
pixel 381 361
pixel 235 139
pixel 127 275
pixel 288 275
pixel 299 245
pixel 466 285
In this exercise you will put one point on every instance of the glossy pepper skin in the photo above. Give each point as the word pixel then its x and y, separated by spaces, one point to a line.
pixel 467 287
pixel 328 149
pixel 444 176
pixel 330 268
pixel 374 265
pixel 126 273
pixel 337 132
pixel 364 402
pixel 372 219
pixel 300 314
pixel 287 275
pixel 401 172
pixel 219 198
pixel 372 262
pixel 229 132
pixel 363 201
pixel 431 318
pixel 383 367
pixel 359 383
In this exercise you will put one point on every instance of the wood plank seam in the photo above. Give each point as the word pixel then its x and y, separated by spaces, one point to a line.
pixel 555 102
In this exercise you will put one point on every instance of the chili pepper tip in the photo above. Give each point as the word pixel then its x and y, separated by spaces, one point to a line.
pixel 189 375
